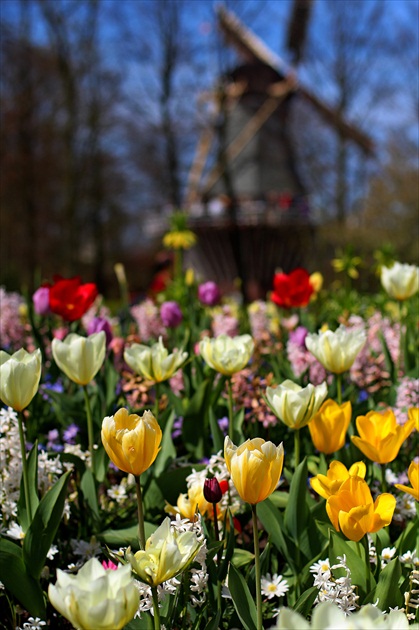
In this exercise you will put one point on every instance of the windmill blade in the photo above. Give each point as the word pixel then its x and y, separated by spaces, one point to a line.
pixel 297 29
pixel 253 49
pixel 333 117
pixel 247 43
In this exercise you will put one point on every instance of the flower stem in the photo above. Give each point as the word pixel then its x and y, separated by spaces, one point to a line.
pixel 257 568
pixel 156 608
pixel 339 387
pixel 230 410
pixel 140 512
pixel 296 447
pixel 24 466
pixel 216 530
pixel 364 543
pixel 156 401
pixel 90 432
pixel 383 478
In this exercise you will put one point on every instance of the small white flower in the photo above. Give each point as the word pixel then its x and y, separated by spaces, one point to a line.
pixel 387 554
pixel 15 531
pixel 275 586
pixel 52 551
pixel 34 624
pixel 117 492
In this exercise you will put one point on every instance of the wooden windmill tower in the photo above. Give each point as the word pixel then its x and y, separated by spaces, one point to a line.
pixel 250 209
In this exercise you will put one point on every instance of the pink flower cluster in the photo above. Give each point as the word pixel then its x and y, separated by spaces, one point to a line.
pixel 12 330
pixel 259 320
pixel 407 397
pixel 147 317
pixel 225 323
pixel 247 392
pixel 369 370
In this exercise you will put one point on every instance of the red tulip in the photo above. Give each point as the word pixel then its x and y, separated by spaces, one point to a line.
pixel 293 289
pixel 70 298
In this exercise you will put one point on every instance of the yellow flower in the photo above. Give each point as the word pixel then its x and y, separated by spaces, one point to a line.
pixel 295 405
pixel 20 374
pixel 179 239
pixel 80 358
pixel 316 281
pixel 413 412
pixel 155 363
pixel 329 484
pixel 329 425
pixel 96 598
pixel 167 552
pixel 188 504
pixel 132 442
pixel 400 281
pixel 353 511
pixel 255 467
pixel 225 354
pixel 380 435
pixel 413 474
pixel 337 350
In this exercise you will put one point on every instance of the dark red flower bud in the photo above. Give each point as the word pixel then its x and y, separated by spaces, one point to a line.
pixel 212 490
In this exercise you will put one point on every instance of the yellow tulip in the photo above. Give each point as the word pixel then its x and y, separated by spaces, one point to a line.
pixel 380 435
pixel 295 405
pixel 20 374
pixel 188 504
pixel 96 598
pixel 400 281
pixel 413 412
pixel 255 467
pixel 413 474
pixel 154 363
pixel 167 552
pixel 131 441
pixel 329 484
pixel 316 281
pixel 225 354
pixel 80 358
pixel 353 511
pixel 336 351
pixel 329 425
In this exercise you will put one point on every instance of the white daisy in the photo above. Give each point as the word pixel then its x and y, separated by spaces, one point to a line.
pixel 275 586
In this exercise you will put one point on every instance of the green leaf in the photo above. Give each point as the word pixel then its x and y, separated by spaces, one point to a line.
pixel 242 599
pixel 126 537
pixel 167 452
pixel 230 546
pixel 238 419
pixel 146 622
pixel 272 521
pixel 387 590
pixel 242 557
pixel 32 465
pixel 214 622
pixel 17 579
pixel 296 512
pixel 305 602
pixel 216 433
pixel 101 464
pixel 41 533
pixel 88 488
pixel 279 499
pixel 408 539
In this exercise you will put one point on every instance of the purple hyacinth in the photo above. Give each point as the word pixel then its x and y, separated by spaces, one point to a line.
pixel 97 324
pixel 170 314
pixel 41 301
pixel 209 293
pixel 70 434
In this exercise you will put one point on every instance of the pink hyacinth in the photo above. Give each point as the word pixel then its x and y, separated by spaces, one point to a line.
pixel 12 330
pixel 407 397
pixel 148 320
pixel 225 323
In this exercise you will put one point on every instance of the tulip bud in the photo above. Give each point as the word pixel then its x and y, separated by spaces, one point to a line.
pixel 20 374
pixel 41 301
pixel 170 314
pixel 80 358
pixel 95 597
pixel 155 363
pixel 255 467
pixel 208 293
pixel 336 351
pixel 294 405
pixel 400 281
pixel 212 490
pixel 225 354
pixel 131 441
pixel 167 553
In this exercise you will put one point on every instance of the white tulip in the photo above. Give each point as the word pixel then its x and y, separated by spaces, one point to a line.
pixel 80 358
pixel 337 350
pixel 154 363
pixel 400 281
pixel 225 354
pixel 20 374
pixel 294 405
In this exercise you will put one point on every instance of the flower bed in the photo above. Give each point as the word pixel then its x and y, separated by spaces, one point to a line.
pixel 191 462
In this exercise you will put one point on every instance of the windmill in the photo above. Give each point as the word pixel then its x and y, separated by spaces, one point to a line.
pixel 250 208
